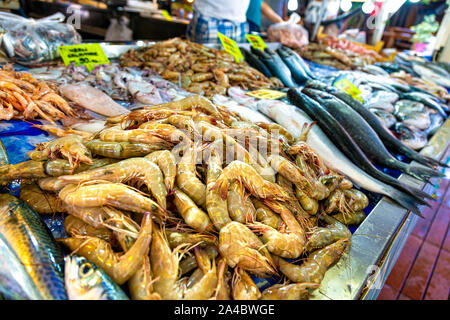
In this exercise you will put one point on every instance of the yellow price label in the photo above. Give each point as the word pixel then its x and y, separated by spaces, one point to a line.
pixel 256 41
pixel 231 47
pixel 89 54
pixel 166 15
pixel 266 94
pixel 349 88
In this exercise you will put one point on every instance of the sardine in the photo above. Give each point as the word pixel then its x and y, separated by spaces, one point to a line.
pixel 31 264
pixel 85 281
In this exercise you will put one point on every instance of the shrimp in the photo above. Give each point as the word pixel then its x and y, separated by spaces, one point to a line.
pixel 266 216
pixel 205 283
pixel 119 267
pixel 351 218
pixel 41 202
pixel 346 201
pixel 223 290
pixel 113 194
pixel 24 170
pixel 189 263
pixel 293 291
pixel 77 227
pixel 241 247
pixel 165 268
pixel 236 151
pixel 141 283
pixel 134 168
pixel 193 102
pixel 276 129
pixel 295 175
pixel 179 238
pixel 169 133
pixel 257 185
pixel 321 237
pixel 120 150
pixel 69 147
pixel 60 167
pixel 243 287
pixel 192 215
pixel 240 207
pixel 288 244
pixel 215 205
pixel 308 204
pixel 314 268
pixel 167 163
pixel 187 180
pixel 137 135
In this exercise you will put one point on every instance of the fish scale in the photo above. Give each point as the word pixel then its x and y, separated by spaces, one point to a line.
pixel 26 243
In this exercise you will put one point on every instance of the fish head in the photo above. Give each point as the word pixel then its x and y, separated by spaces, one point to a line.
pixel 84 280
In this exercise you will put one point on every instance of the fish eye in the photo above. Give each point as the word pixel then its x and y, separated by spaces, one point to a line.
pixel 86 269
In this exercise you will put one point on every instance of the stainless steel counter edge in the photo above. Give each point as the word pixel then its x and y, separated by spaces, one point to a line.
pixel 377 242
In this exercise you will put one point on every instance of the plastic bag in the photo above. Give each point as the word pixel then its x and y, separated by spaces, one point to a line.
pixel 289 32
pixel 34 42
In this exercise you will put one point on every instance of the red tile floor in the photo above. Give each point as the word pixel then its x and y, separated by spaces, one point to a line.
pixel 422 270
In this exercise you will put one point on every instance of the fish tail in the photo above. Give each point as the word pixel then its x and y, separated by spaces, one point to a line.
pixel 406 201
pixel 423 173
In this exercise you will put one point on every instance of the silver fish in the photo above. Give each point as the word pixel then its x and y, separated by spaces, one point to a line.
pixel 85 281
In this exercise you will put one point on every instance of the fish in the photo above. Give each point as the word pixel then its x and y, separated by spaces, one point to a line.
pixel 388 138
pixel 298 73
pixel 388 119
pixel 436 122
pixel 300 61
pixel 412 138
pixel 365 137
pixel 382 100
pixel 435 74
pixel 412 114
pixel 85 281
pixel 429 102
pixel 92 99
pixel 254 62
pixel 293 119
pixel 276 66
pixel 31 263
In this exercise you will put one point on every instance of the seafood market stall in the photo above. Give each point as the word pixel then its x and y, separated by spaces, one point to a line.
pixel 173 170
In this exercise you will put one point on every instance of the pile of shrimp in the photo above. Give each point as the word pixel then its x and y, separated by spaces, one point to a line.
pixel 197 68
pixel 228 199
pixel 24 97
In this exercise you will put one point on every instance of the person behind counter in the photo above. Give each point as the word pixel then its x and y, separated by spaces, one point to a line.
pixel 210 16
pixel 254 11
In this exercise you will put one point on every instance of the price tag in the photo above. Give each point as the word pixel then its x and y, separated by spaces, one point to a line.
pixel 166 15
pixel 256 41
pixel 349 88
pixel 231 47
pixel 83 54
pixel 266 94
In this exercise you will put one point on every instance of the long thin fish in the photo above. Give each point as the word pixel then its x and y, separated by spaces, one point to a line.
pixel 31 264
pixel 389 140
pixel 365 137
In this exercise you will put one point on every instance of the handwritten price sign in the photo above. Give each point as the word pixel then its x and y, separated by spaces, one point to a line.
pixel 90 54
pixel 231 47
